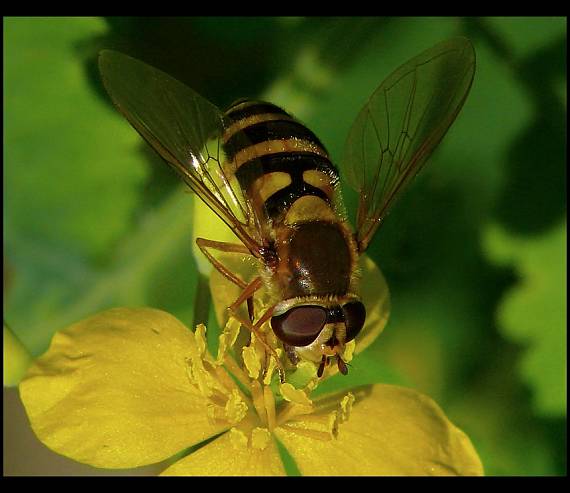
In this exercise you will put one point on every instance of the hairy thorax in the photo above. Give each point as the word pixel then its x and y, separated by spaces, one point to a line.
pixel 315 258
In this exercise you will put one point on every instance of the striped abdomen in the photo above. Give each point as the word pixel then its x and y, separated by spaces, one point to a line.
pixel 285 170
pixel 277 159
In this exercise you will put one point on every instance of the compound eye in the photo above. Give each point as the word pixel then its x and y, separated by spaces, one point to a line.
pixel 354 317
pixel 300 325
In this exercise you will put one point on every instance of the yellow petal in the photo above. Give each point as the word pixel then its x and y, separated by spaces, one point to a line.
pixel 114 390
pixel 240 452
pixel 225 292
pixel 206 224
pixel 376 298
pixel 390 431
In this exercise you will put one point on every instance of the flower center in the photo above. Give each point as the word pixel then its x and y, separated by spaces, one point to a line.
pixel 257 394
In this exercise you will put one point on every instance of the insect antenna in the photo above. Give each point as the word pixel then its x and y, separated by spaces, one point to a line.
pixel 342 365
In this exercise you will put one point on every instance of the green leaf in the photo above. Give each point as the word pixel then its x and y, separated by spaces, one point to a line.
pixel 73 179
pixel 72 175
pixel 154 267
pixel 525 35
pixel 71 171
pixel 533 312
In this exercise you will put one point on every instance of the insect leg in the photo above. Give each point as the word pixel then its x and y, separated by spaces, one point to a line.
pixel 204 245
pixel 341 365
pixel 266 316
pixel 247 293
pixel 256 331
pixel 322 366
pixel 256 328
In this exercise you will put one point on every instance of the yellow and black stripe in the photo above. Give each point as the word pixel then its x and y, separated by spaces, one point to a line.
pixel 277 157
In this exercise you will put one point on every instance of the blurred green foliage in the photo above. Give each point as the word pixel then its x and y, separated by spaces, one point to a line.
pixel 474 252
pixel 533 312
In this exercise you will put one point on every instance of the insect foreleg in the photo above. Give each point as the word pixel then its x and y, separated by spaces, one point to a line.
pixel 247 294
pixel 204 245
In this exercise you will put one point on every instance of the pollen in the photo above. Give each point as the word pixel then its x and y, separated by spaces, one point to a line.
pixel 251 361
pixel 224 401
pixel 345 406
pixel 235 408
pixel 294 410
pixel 227 339
pixel 257 438
pixel 322 427
pixel 238 438
pixel 343 413
pixel 260 438
pixel 271 368
pixel 297 396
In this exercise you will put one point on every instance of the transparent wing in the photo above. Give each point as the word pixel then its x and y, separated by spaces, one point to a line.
pixel 187 131
pixel 401 124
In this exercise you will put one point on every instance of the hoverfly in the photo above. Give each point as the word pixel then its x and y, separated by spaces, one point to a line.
pixel 270 179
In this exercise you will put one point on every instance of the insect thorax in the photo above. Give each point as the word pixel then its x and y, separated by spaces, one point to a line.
pixel 315 260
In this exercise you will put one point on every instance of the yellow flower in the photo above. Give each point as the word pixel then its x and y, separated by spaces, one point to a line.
pixel 130 387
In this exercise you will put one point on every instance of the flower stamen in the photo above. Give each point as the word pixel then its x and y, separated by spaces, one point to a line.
pixel 225 402
pixel 269 400
pixel 315 434
pixel 236 371
pixel 260 438
pixel 235 408
pixel 259 401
